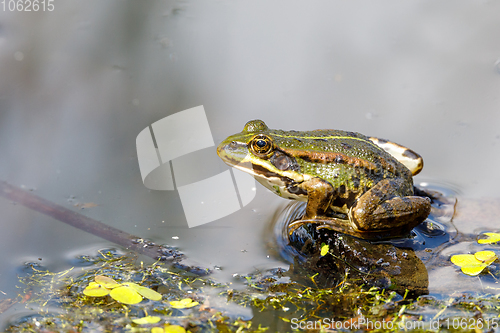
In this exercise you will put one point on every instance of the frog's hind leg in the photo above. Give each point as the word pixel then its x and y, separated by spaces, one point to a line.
pixel 380 209
pixel 406 156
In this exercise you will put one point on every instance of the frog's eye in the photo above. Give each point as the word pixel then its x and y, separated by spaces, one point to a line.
pixel 261 145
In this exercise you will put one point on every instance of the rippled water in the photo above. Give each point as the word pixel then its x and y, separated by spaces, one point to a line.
pixel 78 84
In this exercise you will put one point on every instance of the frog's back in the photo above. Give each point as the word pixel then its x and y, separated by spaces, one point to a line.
pixel 332 143
pixel 340 156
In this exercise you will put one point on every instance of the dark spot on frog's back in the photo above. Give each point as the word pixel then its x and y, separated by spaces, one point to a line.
pixel 346 146
pixel 322 140
pixel 353 134
pixel 355 182
pixel 339 159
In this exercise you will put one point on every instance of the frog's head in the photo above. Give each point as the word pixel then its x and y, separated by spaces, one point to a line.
pixel 256 151
pixel 240 148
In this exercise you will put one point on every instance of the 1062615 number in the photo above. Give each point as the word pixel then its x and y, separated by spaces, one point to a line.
pixel 27 5
pixel 471 323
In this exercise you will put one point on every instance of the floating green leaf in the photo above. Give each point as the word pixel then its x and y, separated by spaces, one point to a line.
pixel 157 330
pixel 168 329
pixel 324 249
pixel 94 289
pixel 174 329
pixel 473 264
pixel 106 282
pixel 183 303
pixel 147 320
pixel 146 292
pixel 493 237
pixel 126 294
pixel 468 264
pixel 486 256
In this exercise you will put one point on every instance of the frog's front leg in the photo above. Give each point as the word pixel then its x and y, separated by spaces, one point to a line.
pixel 320 194
pixel 380 208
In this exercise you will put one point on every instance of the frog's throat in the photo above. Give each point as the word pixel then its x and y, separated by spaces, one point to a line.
pixel 283 190
pixel 261 170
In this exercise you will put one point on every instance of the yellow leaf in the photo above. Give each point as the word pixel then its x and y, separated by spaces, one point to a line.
pixel 95 290
pixel 174 329
pixel 147 320
pixel 473 270
pixel 324 249
pixel 126 295
pixel 486 257
pixel 493 237
pixel 157 330
pixel 105 281
pixel 183 303
pixel 464 260
pixel 146 292
pixel 473 264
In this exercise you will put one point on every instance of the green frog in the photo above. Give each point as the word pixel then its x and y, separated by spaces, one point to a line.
pixel 353 184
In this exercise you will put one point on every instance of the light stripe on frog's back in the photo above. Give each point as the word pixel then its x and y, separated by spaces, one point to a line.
pixel 327 148
pixel 342 136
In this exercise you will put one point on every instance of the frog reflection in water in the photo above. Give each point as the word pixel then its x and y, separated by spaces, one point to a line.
pixel 353 184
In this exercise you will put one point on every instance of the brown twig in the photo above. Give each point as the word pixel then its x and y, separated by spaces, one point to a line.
pixel 92 226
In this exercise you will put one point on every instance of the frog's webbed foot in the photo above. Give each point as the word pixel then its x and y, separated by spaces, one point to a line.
pixel 297 224
pixel 330 223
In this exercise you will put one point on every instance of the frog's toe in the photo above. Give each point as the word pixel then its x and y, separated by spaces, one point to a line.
pixel 334 224
pixel 297 224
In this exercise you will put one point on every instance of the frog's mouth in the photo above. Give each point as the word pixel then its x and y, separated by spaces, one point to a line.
pixel 259 172
pixel 285 183
pixel 282 185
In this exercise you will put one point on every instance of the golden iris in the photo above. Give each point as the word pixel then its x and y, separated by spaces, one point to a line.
pixel 261 145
